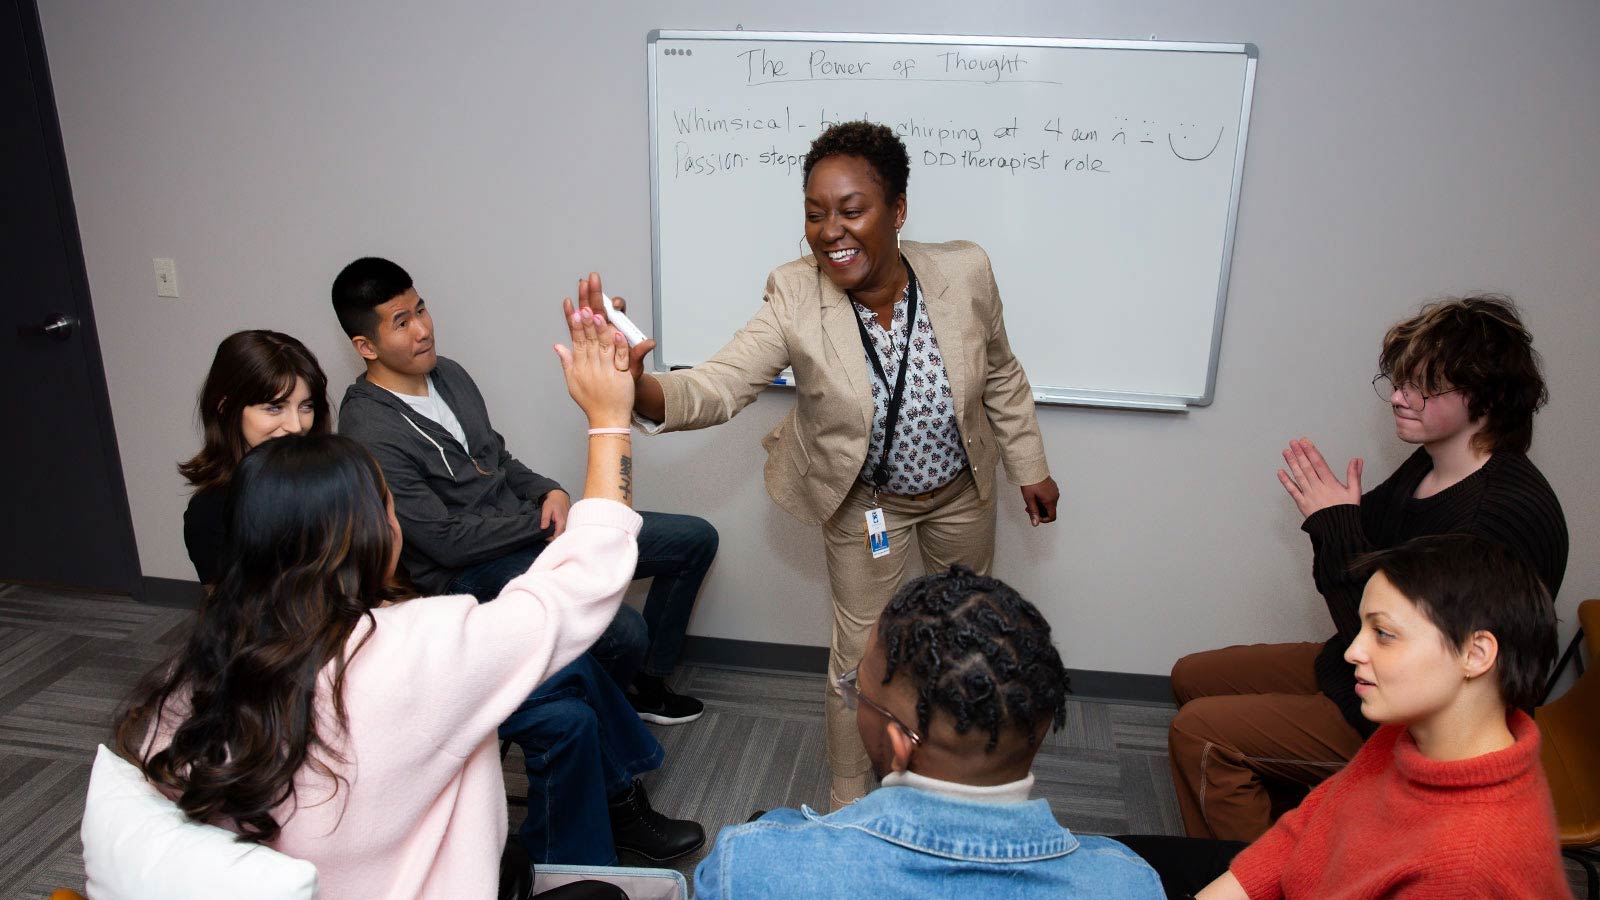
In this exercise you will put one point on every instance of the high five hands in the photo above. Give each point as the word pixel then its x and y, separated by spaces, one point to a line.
pixel 1312 483
pixel 597 366
pixel 589 298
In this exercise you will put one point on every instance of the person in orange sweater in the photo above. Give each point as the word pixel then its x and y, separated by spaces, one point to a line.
pixel 1447 799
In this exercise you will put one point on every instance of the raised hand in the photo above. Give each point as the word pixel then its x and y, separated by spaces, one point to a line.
pixel 589 297
pixel 1312 484
pixel 596 369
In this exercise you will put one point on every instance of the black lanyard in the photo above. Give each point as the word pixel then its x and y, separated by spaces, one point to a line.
pixel 880 472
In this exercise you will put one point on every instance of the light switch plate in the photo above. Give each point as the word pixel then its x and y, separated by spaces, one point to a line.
pixel 166 278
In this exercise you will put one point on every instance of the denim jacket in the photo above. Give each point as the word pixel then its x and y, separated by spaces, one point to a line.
pixel 905 842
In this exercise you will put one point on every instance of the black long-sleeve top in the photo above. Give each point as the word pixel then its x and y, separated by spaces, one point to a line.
pixel 204 530
pixel 1507 501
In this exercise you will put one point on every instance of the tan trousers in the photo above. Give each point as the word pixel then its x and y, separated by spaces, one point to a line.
pixel 1249 715
pixel 952 526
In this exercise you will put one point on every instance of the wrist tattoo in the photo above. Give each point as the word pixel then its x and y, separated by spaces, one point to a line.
pixel 627 478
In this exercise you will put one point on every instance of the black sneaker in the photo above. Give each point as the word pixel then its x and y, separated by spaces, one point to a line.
pixel 659 704
pixel 639 829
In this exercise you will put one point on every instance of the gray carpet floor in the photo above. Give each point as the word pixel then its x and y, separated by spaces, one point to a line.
pixel 67 660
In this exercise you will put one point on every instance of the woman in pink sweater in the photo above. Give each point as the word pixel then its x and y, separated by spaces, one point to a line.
pixel 1447 799
pixel 311 712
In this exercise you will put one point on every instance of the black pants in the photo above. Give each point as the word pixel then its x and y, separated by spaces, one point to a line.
pixel 1186 865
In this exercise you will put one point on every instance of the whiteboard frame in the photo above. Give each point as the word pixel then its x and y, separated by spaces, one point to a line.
pixel 1050 396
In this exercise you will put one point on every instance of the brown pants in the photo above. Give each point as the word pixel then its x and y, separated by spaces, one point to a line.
pixel 952 526
pixel 1248 715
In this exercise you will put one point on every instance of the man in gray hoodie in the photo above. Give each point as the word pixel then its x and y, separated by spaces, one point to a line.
pixel 473 516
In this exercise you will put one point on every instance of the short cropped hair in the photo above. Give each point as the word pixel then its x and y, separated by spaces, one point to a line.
pixel 974 648
pixel 361 288
pixel 1463 584
pixel 1479 346
pixel 876 144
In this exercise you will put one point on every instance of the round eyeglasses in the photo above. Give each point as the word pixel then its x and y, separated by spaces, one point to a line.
pixel 1384 387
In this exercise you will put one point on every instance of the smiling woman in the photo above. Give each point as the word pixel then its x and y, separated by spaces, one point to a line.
pixel 262 385
pixel 909 395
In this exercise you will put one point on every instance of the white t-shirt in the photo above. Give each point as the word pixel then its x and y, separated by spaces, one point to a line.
pixel 434 407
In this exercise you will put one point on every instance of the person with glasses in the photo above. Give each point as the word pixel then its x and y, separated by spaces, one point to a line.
pixel 1463 381
pixel 959 687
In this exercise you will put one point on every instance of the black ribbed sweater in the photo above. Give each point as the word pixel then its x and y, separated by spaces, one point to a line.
pixel 1507 501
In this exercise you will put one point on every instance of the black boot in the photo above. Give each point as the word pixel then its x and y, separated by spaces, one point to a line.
pixel 642 830
pixel 657 703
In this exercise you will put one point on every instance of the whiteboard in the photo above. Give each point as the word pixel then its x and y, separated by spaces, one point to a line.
pixel 1102 177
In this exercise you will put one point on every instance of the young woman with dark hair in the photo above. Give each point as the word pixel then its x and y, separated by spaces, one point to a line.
pixel 1448 798
pixel 262 385
pixel 309 711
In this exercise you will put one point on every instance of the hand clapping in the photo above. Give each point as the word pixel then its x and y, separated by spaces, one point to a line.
pixel 1312 484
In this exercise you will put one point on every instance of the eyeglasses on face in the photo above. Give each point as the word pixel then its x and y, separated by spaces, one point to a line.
pixel 1384 387
pixel 849 685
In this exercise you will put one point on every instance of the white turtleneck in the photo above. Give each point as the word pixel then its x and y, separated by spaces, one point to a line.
pixel 1011 792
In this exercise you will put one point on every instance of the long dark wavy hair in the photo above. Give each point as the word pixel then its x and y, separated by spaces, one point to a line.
pixel 250 367
pixel 310 549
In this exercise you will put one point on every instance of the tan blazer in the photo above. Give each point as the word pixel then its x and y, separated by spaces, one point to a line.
pixel 805 322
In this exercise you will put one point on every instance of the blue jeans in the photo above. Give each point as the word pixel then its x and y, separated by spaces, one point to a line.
pixel 675 550
pixel 582 744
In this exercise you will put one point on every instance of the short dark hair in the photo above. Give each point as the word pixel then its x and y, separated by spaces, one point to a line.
pixel 1463 584
pixel 1478 345
pixel 876 144
pixel 362 287
pixel 975 649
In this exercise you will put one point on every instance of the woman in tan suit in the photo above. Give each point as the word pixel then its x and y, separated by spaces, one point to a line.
pixel 908 394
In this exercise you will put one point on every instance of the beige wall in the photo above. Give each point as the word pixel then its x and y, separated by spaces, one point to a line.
pixel 498 150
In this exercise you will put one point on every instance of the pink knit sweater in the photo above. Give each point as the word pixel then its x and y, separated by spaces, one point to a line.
pixel 423 813
pixel 1395 824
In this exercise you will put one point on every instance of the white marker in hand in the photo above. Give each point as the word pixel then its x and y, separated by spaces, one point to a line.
pixel 624 324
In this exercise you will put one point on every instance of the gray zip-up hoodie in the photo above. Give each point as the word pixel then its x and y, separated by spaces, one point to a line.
pixel 457 506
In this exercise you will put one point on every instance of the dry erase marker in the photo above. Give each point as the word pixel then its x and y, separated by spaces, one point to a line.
pixel 624 324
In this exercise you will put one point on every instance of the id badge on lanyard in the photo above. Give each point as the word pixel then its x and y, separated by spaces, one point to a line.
pixel 877 533
pixel 877 527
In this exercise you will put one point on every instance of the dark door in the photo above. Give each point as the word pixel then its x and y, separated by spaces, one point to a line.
pixel 66 519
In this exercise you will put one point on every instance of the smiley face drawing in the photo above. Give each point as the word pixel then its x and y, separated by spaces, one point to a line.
pixel 1185 135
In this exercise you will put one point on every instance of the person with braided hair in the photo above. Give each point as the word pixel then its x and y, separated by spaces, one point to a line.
pixel 959 687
